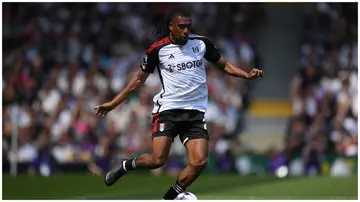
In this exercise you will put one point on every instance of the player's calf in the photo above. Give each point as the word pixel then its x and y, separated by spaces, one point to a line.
pixel 197 150
pixel 186 178
pixel 150 161
pixel 192 171
pixel 161 148
pixel 147 161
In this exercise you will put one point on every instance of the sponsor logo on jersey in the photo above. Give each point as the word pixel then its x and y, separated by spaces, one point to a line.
pixel 171 56
pixel 186 65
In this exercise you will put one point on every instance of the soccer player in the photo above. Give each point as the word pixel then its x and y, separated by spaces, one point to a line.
pixel 180 106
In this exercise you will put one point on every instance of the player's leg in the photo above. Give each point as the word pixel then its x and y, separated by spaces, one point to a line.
pixel 160 151
pixel 197 150
pixel 195 137
pixel 163 135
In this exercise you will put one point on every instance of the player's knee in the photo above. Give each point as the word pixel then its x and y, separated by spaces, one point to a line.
pixel 158 161
pixel 198 164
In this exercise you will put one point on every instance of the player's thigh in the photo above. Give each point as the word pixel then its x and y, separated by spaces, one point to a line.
pixel 161 147
pixel 197 151
pixel 195 137
pixel 164 131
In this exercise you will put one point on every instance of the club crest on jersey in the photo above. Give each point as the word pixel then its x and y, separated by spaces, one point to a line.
pixel 161 127
pixel 195 49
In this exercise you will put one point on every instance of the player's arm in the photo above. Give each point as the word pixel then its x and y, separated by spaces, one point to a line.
pixel 149 62
pixel 133 84
pixel 230 69
pixel 213 55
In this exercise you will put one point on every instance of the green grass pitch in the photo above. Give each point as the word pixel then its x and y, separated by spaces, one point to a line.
pixel 145 186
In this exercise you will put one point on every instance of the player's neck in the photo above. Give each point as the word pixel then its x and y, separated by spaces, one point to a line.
pixel 177 42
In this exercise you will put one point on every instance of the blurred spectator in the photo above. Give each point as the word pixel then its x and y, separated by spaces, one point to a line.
pixel 324 92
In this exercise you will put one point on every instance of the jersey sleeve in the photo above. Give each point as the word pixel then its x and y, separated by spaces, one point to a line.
pixel 212 54
pixel 150 61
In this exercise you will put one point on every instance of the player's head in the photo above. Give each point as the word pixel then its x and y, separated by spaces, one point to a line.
pixel 178 24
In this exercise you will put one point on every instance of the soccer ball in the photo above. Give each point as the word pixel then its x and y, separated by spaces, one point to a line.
pixel 186 196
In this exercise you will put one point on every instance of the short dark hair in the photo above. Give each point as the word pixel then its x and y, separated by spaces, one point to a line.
pixel 178 12
pixel 162 28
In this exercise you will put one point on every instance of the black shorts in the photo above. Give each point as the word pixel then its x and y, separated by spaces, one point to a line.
pixel 188 124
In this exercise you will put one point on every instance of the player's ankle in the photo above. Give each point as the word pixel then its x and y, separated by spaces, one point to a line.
pixel 129 164
pixel 173 191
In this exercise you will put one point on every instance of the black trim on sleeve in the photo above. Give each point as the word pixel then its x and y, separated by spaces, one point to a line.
pixel 150 61
pixel 151 58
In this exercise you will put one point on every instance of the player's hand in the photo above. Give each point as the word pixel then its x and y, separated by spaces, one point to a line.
pixel 255 73
pixel 102 110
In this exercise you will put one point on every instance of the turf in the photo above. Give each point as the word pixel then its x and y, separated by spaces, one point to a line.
pixel 145 186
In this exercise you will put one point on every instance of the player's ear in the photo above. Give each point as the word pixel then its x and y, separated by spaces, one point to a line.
pixel 171 27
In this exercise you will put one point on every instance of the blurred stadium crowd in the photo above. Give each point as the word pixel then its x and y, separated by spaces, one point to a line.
pixel 324 91
pixel 62 59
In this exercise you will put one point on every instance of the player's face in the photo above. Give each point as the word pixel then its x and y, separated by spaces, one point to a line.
pixel 180 28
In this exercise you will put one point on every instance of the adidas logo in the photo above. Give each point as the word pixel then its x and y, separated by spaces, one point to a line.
pixel 171 56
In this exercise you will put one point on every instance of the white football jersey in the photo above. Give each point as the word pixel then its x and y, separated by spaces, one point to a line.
pixel 181 71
